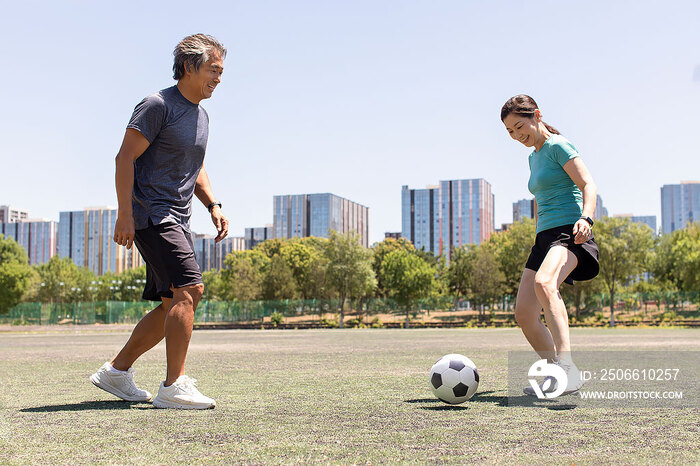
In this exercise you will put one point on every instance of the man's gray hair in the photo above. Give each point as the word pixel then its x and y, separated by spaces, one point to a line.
pixel 193 51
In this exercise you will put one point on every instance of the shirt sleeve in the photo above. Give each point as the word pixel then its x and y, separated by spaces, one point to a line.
pixel 563 151
pixel 148 117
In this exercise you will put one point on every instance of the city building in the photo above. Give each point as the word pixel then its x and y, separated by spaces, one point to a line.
pixel 37 236
pixel 256 235
pixel 600 210
pixel 680 204
pixel 211 255
pixel 302 215
pixel 649 220
pixel 454 213
pixel 9 214
pixel 86 237
pixel 524 208
pixel 392 235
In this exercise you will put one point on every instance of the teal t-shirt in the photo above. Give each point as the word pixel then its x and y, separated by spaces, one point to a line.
pixel 559 201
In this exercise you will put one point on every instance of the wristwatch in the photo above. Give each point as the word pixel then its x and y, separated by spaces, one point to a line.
pixel 211 206
pixel 588 219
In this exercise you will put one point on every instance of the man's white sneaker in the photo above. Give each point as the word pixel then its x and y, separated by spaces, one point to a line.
pixel 120 383
pixel 182 394
pixel 574 382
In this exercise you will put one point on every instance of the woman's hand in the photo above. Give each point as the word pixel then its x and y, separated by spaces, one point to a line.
pixel 582 231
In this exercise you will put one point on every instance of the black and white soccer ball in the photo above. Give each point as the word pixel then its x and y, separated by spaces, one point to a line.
pixel 454 379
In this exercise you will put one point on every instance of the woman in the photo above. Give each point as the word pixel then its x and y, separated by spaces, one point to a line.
pixel 564 250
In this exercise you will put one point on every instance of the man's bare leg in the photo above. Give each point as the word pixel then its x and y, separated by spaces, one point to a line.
pixel 178 329
pixel 147 334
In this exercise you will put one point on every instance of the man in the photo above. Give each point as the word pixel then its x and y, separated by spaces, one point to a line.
pixel 158 169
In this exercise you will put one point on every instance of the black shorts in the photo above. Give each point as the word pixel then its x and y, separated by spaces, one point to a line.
pixel 586 253
pixel 168 251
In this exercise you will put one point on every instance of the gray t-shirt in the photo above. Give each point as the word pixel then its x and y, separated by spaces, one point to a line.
pixel 166 173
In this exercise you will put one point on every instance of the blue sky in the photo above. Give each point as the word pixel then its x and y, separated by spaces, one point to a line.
pixel 356 98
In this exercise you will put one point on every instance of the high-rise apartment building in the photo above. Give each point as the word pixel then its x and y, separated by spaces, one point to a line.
pixel 524 208
pixel 649 220
pixel 301 215
pixel 211 255
pixel 9 214
pixel 256 235
pixel 680 204
pixel 443 217
pixel 600 210
pixel 86 236
pixel 37 237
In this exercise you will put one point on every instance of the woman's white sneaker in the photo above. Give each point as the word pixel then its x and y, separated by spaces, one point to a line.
pixel 119 383
pixel 182 394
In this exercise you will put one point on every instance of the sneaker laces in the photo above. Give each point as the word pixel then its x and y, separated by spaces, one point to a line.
pixel 129 375
pixel 188 384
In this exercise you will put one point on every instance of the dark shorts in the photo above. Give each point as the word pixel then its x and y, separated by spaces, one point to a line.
pixel 586 253
pixel 168 251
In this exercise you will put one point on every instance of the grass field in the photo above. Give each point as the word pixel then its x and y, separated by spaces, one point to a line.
pixel 321 396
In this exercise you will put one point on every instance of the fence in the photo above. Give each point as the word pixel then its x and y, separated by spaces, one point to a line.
pixel 685 304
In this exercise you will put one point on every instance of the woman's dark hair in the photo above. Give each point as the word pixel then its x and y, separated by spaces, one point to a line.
pixel 523 105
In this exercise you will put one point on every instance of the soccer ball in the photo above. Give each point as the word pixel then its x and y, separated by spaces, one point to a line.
pixel 454 379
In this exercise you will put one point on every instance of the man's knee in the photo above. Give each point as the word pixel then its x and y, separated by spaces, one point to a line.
pixel 190 293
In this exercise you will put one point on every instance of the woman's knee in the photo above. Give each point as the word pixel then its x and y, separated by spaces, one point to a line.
pixel 546 284
pixel 526 316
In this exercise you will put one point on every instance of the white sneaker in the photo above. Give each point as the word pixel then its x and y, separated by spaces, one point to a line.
pixel 182 394
pixel 573 376
pixel 119 384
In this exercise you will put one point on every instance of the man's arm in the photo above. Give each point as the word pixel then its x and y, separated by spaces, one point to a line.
pixel 205 194
pixel 133 146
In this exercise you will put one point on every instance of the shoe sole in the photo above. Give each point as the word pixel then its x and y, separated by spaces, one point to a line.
pixel 115 392
pixel 571 392
pixel 172 405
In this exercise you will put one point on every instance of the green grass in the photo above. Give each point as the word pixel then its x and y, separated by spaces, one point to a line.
pixel 321 396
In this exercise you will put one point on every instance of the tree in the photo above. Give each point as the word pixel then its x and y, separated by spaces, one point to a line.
pixel 58 276
pixel 512 248
pixel 349 269
pixel 243 275
pixel 15 274
pixel 407 278
pixel 685 257
pixel 380 251
pixel 278 282
pixel 486 278
pixel 575 296
pixel 458 273
pixel 474 273
pixel 212 285
pixel 624 249
pixel 302 256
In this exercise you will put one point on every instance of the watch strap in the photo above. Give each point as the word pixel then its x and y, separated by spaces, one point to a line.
pixel 588 219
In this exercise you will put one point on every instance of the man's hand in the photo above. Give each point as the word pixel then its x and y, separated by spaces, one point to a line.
pixel 220 222
pixel 124 230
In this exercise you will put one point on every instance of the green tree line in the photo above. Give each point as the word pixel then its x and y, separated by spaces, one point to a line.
pixel 632 257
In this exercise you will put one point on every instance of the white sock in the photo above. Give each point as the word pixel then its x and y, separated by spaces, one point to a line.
pixel 565 358
pixel 115 371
